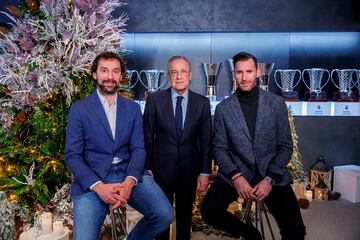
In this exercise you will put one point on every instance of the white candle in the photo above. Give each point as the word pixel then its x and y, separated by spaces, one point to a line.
pixel 309 195
pixel 46 223
pixel 58 228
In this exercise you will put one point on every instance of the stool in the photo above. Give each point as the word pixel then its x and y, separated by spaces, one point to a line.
pixel 120 215
pixel 260 209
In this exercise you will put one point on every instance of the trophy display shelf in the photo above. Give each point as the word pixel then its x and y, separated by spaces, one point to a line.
pixel 291 99
pixel 345 96
pixel 315 96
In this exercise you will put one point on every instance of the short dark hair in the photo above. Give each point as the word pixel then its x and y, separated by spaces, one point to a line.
pixel 107 55
pixel 243 56
pixel 178 57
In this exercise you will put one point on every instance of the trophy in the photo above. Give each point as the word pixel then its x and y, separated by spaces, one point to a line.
pixel 345 77
pixel 130 74
pixel 152 80
pixel 315 92
pixel 211 71
pixel 358 82
pixel 288 83
pixel 127 84
pixel 265 70
pixel 231 65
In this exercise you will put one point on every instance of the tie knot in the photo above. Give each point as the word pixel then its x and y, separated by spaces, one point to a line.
pixel 179 99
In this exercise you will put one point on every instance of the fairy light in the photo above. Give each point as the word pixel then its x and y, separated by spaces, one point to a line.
pixel 53 164
pixel 9 168
pixel 12 197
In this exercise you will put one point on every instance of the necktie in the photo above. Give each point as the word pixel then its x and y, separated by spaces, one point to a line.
pixel 178 116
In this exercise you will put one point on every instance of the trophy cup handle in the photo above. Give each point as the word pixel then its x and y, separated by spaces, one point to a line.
pixel 205 70
pixel 327 79
pixel 218 71
pixel 137 78
pixel 303 78
pixel 278 70
pixel 142 83
pixel 353 71
pixel 165 81
pixel 297 70
pixel 332 76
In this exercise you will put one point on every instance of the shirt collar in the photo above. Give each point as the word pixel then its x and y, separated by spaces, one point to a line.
pixel 104 102
pixel 174 94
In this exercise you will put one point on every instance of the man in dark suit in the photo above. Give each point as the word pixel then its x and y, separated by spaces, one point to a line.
pixel 105 152
pixel 252 145
pixel 177 127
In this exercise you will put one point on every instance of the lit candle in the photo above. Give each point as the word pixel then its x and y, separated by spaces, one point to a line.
pixel 309 195
pixel 58 228
pixel 320 195
pixel 46 223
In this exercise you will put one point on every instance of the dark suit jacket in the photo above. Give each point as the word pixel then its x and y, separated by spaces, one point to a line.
pixel 191 153
pixel 90 147
pixel 271 149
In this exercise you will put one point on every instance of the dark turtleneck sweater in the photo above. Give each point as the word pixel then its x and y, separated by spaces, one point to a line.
pixel 249 105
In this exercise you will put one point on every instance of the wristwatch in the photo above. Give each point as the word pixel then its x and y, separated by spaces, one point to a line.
pixel 269 180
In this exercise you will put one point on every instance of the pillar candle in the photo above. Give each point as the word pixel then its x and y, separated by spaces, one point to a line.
pixel 58 228
pixel 46 223
pixel 309 195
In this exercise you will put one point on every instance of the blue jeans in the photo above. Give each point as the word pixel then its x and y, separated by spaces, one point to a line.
pixel 146 197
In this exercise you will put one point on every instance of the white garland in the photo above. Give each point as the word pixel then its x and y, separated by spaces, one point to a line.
pixel 60 45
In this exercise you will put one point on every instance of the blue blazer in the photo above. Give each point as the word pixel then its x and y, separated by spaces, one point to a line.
pixel 90 147
pixel 271 148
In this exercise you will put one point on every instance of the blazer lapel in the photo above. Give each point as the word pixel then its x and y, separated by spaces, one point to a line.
pixel 239 118
pixel 191 110
pixel 121 115
pixel 261 111
pixel 168 112
pixel 100 113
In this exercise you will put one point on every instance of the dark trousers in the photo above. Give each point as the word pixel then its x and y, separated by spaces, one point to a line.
pixel 281 203
pixel 184 198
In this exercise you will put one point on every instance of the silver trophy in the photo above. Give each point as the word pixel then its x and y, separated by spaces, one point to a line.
pixel 345 79
pixel 358 81
pixel 231 66
pixel 315 89
pixel 152 80
pixel 130 74
pixel 265 71
pixel 211 71
pixel 288 82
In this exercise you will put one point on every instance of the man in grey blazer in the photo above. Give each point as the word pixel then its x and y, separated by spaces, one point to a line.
pixel 252 145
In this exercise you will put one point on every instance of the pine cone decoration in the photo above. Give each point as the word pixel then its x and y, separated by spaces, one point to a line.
pixel 32 5
pixel 7 220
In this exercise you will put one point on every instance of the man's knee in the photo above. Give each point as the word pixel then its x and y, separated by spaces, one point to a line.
pixel 294 231
pixel 207 212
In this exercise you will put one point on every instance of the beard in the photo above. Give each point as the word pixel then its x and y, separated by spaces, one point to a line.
pixel 106 91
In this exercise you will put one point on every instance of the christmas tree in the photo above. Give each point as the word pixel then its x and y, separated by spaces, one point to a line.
pixel 45 59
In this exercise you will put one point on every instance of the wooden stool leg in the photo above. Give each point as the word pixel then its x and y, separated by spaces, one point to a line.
pixel 258 209
pixel 117 214
pixel 262 205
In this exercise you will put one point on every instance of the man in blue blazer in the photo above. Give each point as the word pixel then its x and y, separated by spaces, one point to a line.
pixel 177 126
pixel 105 153
pixel 252 145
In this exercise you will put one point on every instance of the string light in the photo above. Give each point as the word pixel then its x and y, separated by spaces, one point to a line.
pixel 53 164
pixel 9 168
pixel 12 197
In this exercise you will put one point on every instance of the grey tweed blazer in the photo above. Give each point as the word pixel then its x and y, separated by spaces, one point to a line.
pixel 271 148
